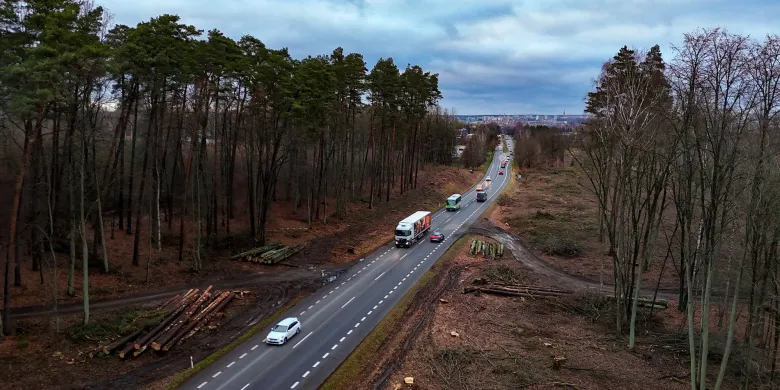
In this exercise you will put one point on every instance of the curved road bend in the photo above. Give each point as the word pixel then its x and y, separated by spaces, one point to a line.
pixel 337 317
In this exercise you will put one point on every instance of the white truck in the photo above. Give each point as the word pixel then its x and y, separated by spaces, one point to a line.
pixel 412 228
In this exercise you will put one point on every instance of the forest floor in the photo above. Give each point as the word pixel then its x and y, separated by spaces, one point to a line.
pixel 123 293
pixel 513 342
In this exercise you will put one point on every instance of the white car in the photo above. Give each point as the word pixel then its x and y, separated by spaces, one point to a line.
pixel 488 178
pixel 283 331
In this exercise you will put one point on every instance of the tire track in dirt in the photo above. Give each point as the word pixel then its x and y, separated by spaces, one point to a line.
pixel 293 275
pixel 521 253
pixel 423 315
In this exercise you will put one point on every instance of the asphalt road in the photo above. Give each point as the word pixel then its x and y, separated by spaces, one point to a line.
pixel 338 317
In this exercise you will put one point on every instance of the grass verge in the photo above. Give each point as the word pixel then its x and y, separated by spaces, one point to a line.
pixel 350 369
pixel 181 377
pixel 504 146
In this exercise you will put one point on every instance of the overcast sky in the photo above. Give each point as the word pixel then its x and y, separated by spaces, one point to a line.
pixel 492 56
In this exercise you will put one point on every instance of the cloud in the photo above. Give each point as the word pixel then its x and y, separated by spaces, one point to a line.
pixel 493 56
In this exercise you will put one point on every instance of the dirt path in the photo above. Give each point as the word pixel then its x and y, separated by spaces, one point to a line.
pixel 293 274
pixel 541 267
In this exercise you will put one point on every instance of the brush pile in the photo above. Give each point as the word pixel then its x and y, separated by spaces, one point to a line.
pixel 269 254
pixel 185 315
pixel 479 247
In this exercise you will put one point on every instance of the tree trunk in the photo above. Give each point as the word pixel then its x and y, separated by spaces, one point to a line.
pixel 6 321
pixel 132 172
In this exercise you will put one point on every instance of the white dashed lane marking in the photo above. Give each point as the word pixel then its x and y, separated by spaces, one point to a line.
pixel 316 364
pixel 350 300
pixel 217 374
pixel 202 384
pixel 325 355
pixel 255 347
pixel 242 356
pixel 231 363
pixel 294 384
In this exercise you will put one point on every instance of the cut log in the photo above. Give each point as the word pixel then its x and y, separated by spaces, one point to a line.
pixel 175 301
pixel 216 303
pixel 207 318
pixel 166 321
pixel 126 350
pixel 505 292
pixel 164 336
pixel 257 251
pixel 122 341
pixel 278 255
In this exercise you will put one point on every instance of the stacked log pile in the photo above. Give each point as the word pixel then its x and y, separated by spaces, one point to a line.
pixel 479 247
pixel 269 254
pixel 516 291
pixel 481 286
pixel 185 315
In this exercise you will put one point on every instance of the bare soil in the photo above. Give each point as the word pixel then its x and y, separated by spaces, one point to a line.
pixel 512 342
pixel 35 348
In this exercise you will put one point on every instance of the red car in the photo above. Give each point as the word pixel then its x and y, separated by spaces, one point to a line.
pixel 500 172
pixel 437 237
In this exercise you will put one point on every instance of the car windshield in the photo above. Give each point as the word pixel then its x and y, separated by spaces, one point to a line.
pixel 403 233
pixel 451 202
pixel 437 234
pixel 280 328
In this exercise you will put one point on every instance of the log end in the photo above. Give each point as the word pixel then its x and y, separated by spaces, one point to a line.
pixel 137 346
pixel 155 346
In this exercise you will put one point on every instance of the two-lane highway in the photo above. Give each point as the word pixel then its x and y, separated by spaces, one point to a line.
pixel 338 317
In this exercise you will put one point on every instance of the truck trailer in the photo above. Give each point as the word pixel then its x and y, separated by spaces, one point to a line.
pixel 412 228
pixel 482 191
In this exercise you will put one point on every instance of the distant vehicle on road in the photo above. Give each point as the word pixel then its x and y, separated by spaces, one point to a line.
pixel 453 202
pixel 437 237
pixel 412 228
pixel 482 190
pixel 500 172
pixel 283 331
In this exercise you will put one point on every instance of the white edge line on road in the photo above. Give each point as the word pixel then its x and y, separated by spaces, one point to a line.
pixel 380 275
pixel 202 384
pixel 307 336
pixel 350 300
